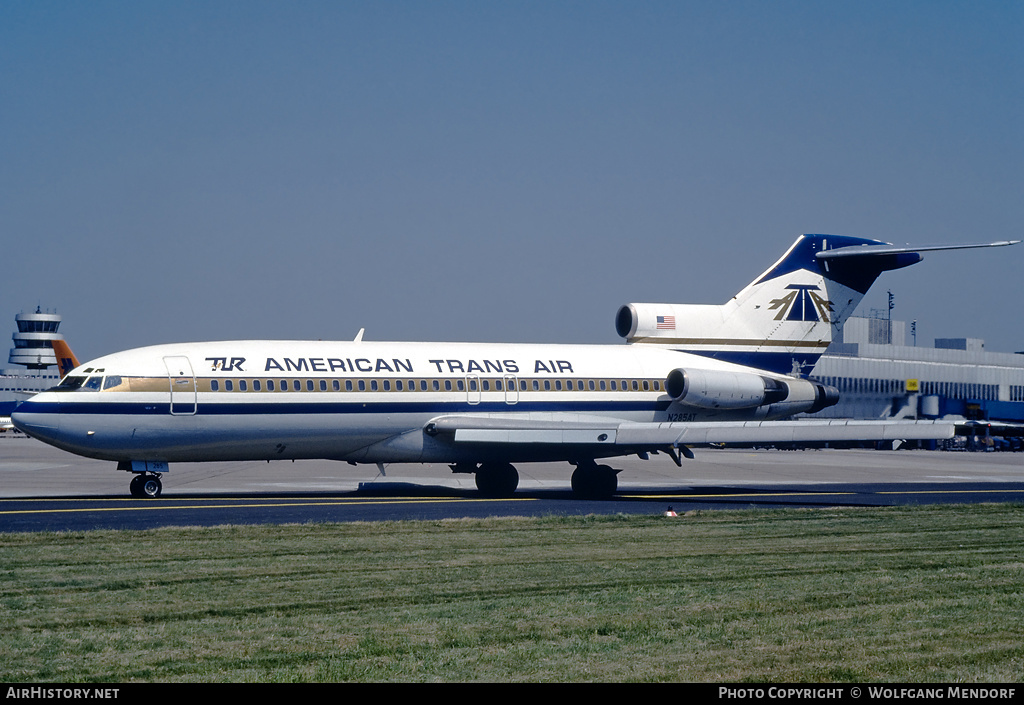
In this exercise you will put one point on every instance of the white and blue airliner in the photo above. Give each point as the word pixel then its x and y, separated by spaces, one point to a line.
pixel 689 375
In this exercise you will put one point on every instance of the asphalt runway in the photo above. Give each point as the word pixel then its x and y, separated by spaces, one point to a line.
pixel 42 488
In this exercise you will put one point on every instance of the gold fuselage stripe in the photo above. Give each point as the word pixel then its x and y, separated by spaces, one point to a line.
pixel 410 384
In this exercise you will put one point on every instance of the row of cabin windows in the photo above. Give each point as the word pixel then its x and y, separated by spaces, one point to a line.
pixel 437 385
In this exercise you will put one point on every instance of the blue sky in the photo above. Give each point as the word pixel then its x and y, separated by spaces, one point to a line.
pixel 495 171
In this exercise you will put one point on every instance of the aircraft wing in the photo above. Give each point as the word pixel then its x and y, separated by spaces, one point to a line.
pixel 575 430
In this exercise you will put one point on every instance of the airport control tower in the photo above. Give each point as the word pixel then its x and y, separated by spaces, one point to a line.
pixel 32 342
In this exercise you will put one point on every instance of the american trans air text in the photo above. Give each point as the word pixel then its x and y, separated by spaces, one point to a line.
pixel 395 365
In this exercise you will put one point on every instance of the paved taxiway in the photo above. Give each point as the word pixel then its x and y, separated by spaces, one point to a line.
pixel 42 488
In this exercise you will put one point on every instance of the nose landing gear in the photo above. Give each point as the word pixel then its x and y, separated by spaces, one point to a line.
pixel 146 482
pixel 146 485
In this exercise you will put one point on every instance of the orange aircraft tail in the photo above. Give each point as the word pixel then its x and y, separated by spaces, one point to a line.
pixel 66 360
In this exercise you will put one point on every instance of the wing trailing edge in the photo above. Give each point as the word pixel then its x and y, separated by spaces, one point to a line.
pixel 653 436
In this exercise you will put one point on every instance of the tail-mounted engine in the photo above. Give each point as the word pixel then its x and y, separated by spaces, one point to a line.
pixel 718 389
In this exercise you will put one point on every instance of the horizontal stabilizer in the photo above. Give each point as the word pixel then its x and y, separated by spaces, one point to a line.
pixel 877 250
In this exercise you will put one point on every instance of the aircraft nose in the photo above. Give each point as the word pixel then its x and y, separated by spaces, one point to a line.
pixel 37 419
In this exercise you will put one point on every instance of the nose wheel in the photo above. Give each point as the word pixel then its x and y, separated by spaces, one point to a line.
pixel 146 485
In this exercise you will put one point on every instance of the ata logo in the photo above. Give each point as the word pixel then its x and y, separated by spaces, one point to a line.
pixel 802 304
pixel 226 365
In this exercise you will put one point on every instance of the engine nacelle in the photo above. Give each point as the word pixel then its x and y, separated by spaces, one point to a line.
pixel 716 389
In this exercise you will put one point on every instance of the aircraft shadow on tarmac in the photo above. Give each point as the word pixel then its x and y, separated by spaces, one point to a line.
pixel 723 495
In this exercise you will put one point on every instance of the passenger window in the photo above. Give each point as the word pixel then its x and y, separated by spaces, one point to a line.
pixel 373 385
pixel 228 385
pixel 348 385
pixel 336 385
pixel 387 385
pixel 323 385
pixel 309 385
pixel 214 385
pixel 362 385
pixel 242 386
pixel 256 385
pixel 296 385
pixel 270 385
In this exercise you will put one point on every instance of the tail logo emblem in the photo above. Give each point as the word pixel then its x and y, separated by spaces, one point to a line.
pixel 802 304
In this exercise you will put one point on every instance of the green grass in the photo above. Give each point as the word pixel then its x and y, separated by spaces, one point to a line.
pixel 897 594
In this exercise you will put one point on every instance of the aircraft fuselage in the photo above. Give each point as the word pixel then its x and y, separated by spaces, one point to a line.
pixel 358 401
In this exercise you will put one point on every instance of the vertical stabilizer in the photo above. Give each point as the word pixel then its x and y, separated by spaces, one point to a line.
pixel 66 360
pixel 785 319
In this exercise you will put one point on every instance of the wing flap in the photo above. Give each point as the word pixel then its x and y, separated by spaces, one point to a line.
pixel 538 435
pixel 597 432
pixel 792 431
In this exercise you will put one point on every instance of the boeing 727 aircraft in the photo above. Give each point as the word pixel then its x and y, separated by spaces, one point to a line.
pixel 689 375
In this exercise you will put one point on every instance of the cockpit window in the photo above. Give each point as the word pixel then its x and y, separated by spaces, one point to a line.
pixel 69 384
pixel 111 381
pixel 93 384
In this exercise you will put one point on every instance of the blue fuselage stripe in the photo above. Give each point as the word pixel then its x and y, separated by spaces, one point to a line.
pixel 291 408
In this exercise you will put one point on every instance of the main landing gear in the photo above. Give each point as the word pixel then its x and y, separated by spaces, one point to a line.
pixel 593 481
pixel 497 479
pixel 500 480
pixel 146 485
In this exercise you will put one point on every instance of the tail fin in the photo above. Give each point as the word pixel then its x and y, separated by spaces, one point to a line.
pixel 785 319
pixel 66 360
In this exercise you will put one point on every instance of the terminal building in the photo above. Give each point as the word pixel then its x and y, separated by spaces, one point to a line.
pixel 879 376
